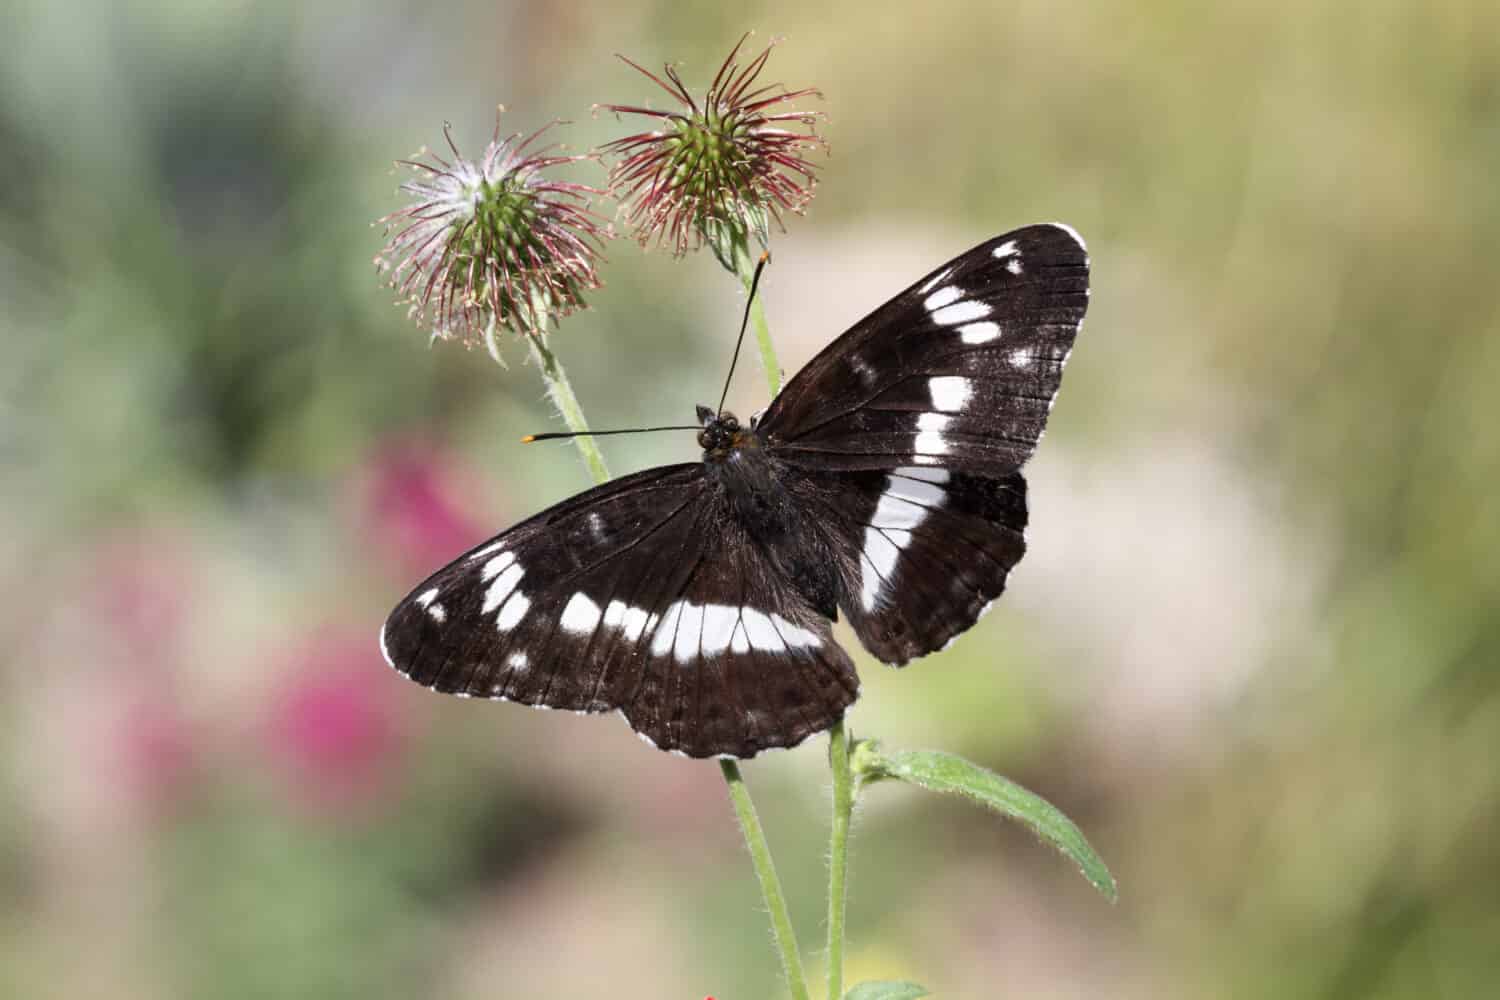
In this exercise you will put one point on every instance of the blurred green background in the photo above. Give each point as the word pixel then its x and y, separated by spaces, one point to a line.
pixel 1252 652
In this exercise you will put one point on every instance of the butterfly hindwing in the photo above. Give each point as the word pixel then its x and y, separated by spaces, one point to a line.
pixel 739 661
pixel 642 595
pixel 958 371
pixel 922 552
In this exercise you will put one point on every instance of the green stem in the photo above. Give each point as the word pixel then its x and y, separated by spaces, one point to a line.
pixel 561 392
pixel 770 885
pixel 838 854
pixel 745 267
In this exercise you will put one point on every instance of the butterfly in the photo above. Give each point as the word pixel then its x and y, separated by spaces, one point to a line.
pixel 883 482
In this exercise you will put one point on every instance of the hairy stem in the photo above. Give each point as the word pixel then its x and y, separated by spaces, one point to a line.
pixel 560 391
pixel 838 854
pixel 770 885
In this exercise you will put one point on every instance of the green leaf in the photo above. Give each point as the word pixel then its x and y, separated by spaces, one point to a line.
pixel 944 772
pixel 888 990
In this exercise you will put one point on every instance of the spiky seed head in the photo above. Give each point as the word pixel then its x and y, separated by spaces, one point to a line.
pixel 492 243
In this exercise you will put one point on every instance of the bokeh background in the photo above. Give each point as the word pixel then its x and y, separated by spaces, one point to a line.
pixel 1253 650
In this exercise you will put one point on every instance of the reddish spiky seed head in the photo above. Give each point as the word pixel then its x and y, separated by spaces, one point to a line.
pixel 492 243
pixel 721 166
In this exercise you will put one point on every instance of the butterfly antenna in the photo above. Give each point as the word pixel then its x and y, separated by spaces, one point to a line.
pixel 760 266
pixel 559 435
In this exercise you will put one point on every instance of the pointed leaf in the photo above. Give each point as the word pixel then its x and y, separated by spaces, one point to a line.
pixel 888 990
pixel 944 772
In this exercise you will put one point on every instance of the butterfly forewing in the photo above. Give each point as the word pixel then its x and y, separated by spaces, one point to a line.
pixel 958 371
pixel 912 429
pixel 500 621
pixel 644 596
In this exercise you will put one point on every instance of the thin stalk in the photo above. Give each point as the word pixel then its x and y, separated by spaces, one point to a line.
pixel 770 885
pixel 560 390
pixel 744 266
pixel 838 854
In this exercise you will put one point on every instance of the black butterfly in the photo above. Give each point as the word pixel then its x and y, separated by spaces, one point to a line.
pixel 698 599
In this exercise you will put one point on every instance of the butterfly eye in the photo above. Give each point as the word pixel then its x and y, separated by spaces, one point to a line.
pixel 731 424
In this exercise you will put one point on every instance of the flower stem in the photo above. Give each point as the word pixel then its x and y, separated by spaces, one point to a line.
pixel 744 266
pixel 838 854
pixel 770 885
pixel 560 390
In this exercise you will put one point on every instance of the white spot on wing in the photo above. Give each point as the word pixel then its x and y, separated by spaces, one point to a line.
pixel 495 566
pixel 486 551
pixel 689 633
pixel 512 612
pixel 1021 358
pixel 904 505
pixel 942 297
pixel 666 631
pixel 596 525
pixel 979 333
pixel 1005 250
pixel 928 444
pixel 863 369
pixel 630 621
pixel 519 661
pixel 938 476
pixel 880 557
pixel 719 624
pixel 895 511
pixel 437 612
pixel 935 280
pixel 761 633
pixel 950 392
pixel 795 636
pixel 739 642
pixel 919 491
pixel 501 588
pixel 961 312
pixel 581 616
pixel 1013 265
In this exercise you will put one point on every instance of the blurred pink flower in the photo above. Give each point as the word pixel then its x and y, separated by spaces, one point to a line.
pixel 136 598
pixel 141 588
pixel 411 506
pixel 152 750
pixel 335 723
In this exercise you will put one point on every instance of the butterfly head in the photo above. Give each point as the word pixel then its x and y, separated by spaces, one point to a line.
pixel 720 430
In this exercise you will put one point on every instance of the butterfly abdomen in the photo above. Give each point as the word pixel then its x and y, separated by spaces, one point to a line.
pixel 755 491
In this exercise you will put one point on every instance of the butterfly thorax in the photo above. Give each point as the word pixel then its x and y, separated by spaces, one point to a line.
pixel 751 483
